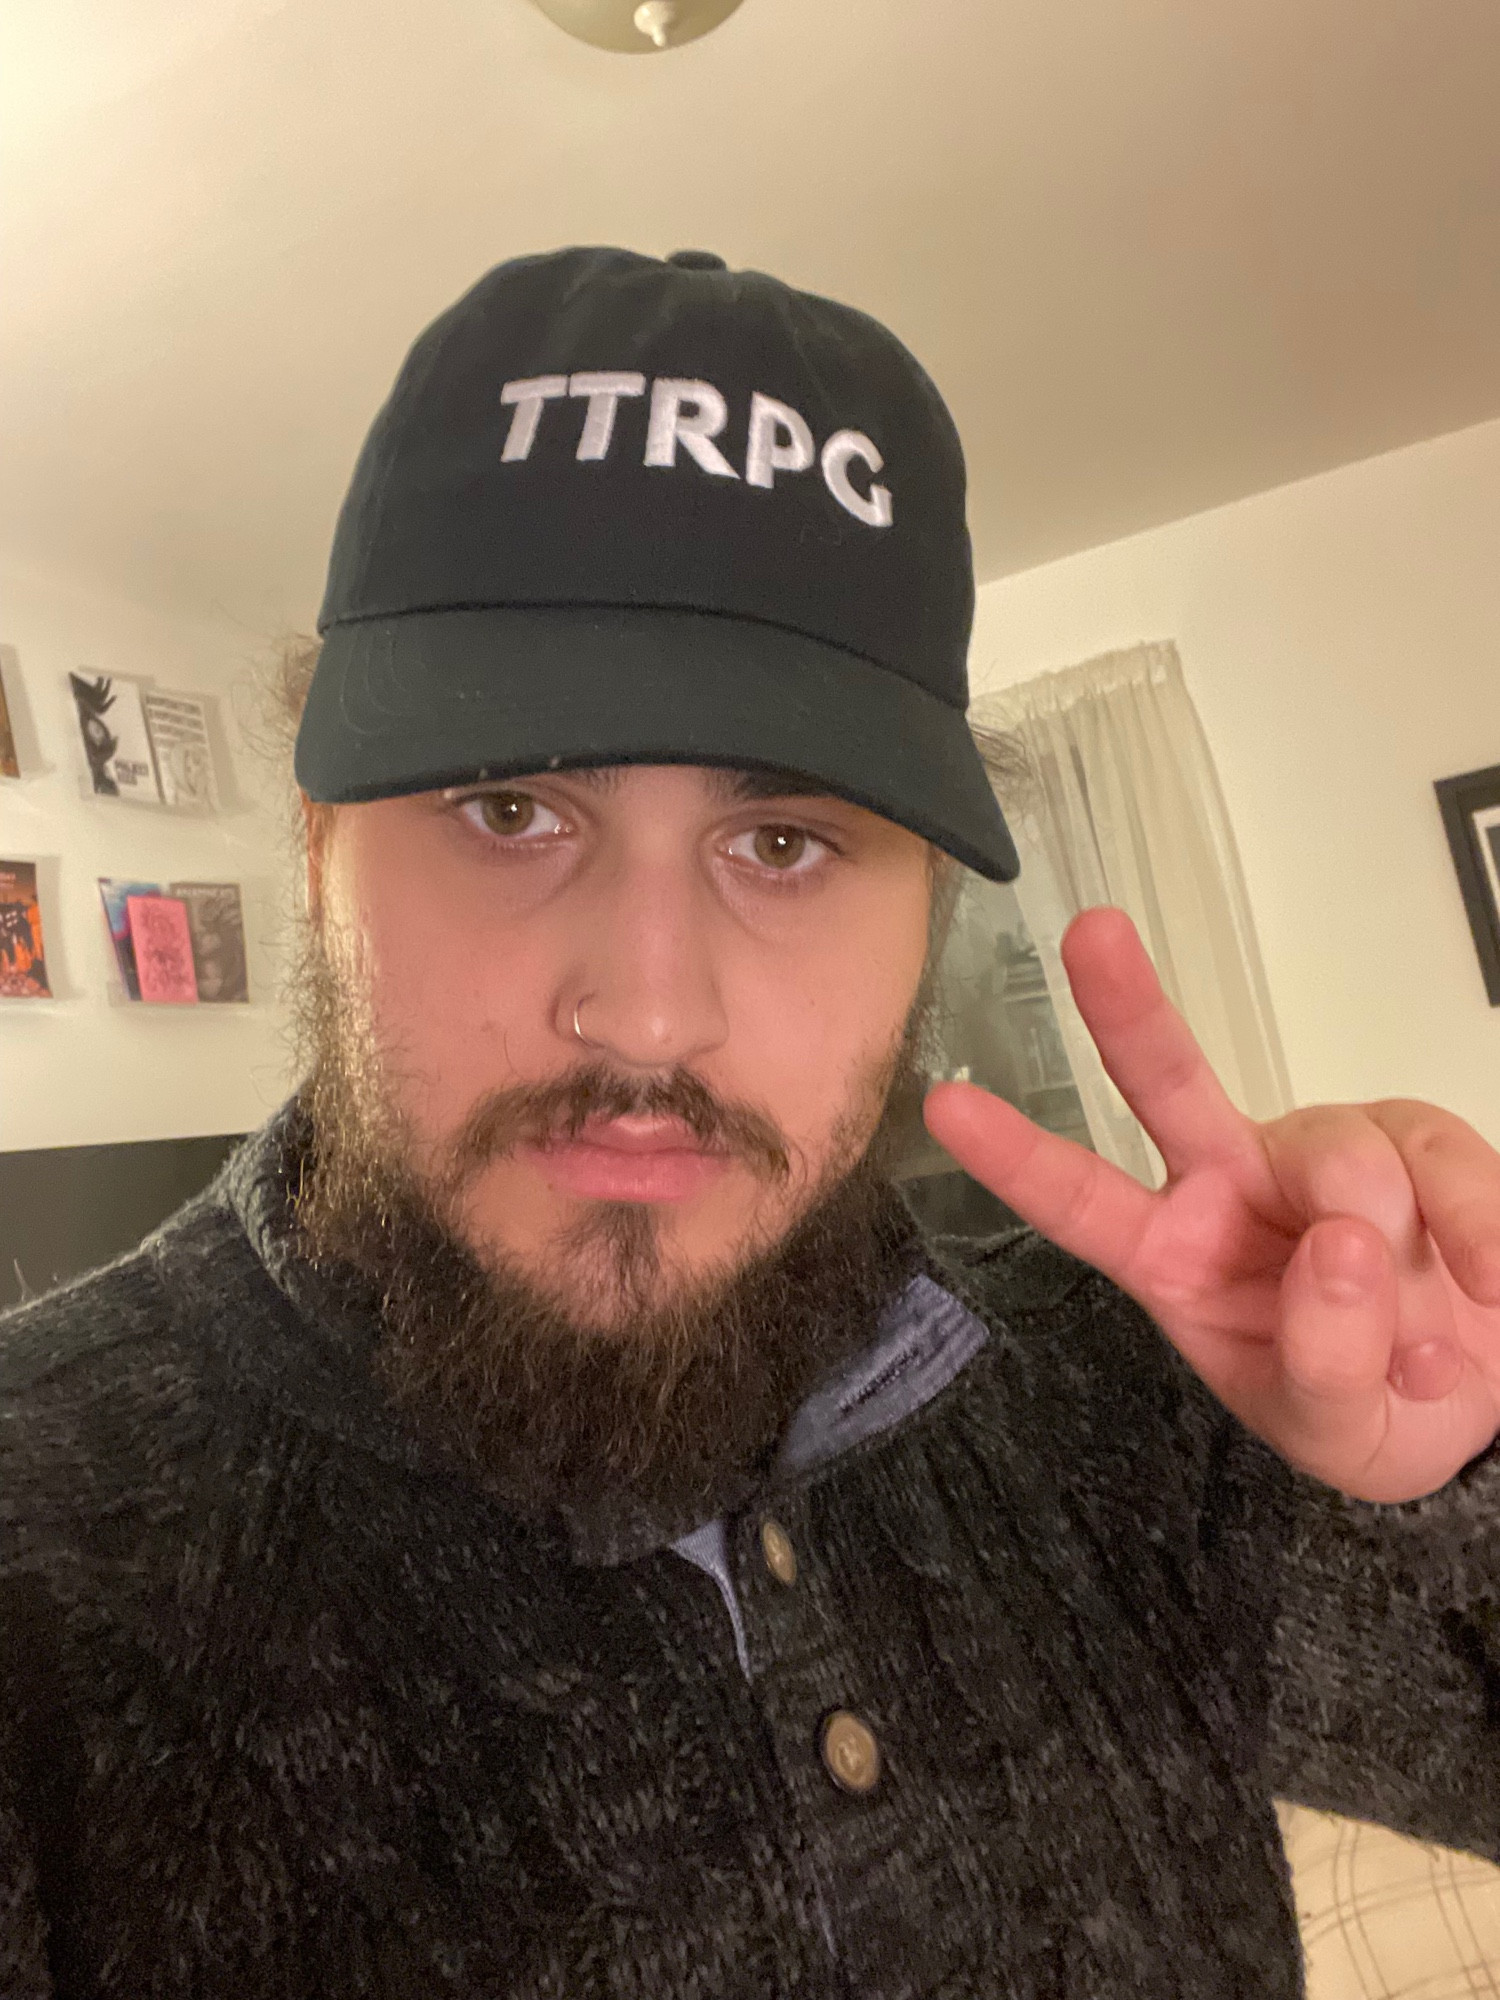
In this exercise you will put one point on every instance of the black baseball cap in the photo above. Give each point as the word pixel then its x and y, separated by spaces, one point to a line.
pixel 626 510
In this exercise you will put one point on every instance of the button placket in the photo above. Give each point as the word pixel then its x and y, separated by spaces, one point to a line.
pixel 835 1725
pixel 773 1559
pixel 846 1743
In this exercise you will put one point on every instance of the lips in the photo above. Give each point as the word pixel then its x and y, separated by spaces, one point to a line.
pixel 630 1159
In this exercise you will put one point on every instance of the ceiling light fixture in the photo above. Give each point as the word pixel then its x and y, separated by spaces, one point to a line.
pixel 637 27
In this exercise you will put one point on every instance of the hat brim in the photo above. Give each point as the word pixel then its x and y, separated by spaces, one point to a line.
pixel 434 698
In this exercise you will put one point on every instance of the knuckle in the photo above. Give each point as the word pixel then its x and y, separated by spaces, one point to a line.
pixel 1179 1070
pixel 1077 1199
pixel 1316 1124
pixel 1324 1373
pixel 1424 1131
pixel 1336 1152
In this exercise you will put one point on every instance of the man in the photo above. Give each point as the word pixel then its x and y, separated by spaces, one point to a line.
pixel 546 1523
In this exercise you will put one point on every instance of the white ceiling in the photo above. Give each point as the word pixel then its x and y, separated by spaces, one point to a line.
pixel 1157 253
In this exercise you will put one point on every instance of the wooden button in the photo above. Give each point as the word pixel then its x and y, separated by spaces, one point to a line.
pixel 850 1752
pixel 776 1547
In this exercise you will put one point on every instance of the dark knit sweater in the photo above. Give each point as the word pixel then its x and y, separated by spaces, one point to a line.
pixel 289 1708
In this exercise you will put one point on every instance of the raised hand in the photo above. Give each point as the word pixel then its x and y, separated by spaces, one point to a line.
pixel 1333 1276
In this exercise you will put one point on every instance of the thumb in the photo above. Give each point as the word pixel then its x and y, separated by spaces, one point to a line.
pixel 1338 1334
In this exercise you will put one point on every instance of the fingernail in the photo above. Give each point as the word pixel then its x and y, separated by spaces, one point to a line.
pixel 1427 1371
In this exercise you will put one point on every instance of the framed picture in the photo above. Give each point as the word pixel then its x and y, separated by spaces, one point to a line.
pixel 1470 807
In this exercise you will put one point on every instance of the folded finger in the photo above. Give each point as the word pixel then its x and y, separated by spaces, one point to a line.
pixel 1455 1179
pixel 1335 1160
pixel 1337 1338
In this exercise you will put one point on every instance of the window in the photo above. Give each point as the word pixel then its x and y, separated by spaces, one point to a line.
pixel 994 1025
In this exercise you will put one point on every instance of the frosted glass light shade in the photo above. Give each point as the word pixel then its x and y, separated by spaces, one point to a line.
pixel 637 27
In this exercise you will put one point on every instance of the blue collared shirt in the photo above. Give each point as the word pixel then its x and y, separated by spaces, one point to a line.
pixel 924 1338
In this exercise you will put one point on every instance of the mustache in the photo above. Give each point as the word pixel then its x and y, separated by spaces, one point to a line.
pixel 538 1113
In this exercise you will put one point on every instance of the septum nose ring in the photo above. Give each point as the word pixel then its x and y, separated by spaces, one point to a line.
pixel 576 1029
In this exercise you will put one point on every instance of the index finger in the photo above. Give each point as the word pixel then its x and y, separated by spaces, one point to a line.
pixel 1147 1048
pixel 1084 1204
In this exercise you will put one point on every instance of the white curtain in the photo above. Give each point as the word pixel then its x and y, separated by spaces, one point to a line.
pixel 1123 806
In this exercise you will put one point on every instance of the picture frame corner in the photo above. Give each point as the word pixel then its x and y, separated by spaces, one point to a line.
pixel 1474 844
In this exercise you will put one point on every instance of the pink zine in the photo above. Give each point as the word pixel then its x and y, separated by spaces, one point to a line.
pixel 163 947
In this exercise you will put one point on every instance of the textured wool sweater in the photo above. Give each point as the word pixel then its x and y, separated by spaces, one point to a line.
pixel 290 1707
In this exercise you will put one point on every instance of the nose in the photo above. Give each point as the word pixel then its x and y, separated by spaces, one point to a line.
pixel 644 989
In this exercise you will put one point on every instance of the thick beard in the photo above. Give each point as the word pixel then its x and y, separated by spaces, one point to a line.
pixel 667 1397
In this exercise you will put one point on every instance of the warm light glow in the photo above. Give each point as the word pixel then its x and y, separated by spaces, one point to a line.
pixel 637 27
pixel 656 19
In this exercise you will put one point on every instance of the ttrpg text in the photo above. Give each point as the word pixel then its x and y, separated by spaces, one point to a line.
pixel 692 414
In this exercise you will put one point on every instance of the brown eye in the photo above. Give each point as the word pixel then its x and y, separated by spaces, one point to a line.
pixel 506 812
pixel 779 846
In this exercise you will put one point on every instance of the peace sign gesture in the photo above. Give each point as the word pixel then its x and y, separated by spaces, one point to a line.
pixel 1333 1276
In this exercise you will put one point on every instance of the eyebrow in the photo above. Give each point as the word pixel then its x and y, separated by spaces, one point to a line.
pixel 733 786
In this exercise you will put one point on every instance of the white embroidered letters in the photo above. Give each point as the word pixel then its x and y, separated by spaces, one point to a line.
pixel 690 413
pixel 604 391
pixel 779 441
pixel 528 398
pixel 840 448
pixel 670 426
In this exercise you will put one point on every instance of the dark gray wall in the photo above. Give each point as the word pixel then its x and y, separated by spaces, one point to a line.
pixel 64 1209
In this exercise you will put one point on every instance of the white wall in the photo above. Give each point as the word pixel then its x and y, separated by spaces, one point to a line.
pixel 1341 638
pixel 86 1069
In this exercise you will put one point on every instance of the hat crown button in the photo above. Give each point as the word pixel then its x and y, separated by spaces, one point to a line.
pixel 697 260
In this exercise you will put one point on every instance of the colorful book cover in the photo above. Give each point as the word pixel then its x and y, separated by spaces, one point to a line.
pixel 114 895
pixel 112 729
pixel 178 726
pixel 163 948
pixel 9 765
pixel 217 924
pixel 23 966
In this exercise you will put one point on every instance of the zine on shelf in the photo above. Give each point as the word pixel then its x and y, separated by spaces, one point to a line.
pixel 116 743
pixel 196 946
pixel 23 963
pixel 178 727
pixel 163 948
